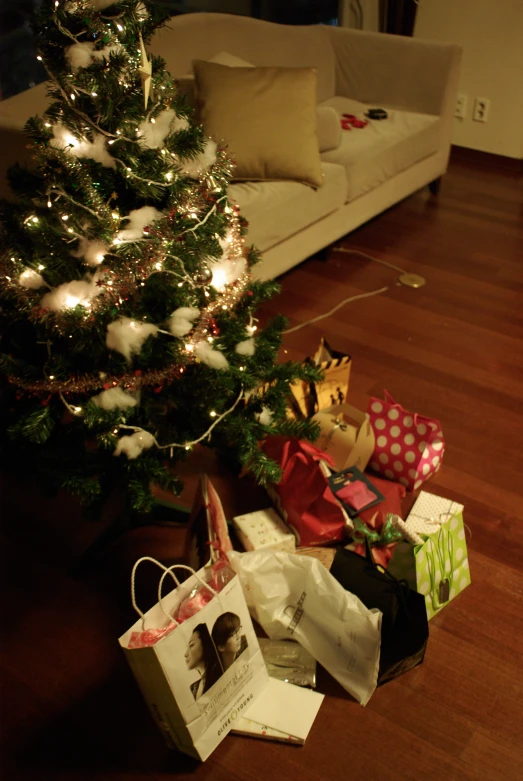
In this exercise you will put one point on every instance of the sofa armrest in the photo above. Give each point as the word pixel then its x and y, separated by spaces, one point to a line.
pixel 396 71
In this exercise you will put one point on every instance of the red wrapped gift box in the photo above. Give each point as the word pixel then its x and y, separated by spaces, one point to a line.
pixel 303 496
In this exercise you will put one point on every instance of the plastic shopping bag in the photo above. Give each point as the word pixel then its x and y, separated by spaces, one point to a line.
pixel 296 597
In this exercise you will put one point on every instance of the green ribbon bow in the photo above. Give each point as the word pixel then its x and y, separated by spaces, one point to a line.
pixel 385 536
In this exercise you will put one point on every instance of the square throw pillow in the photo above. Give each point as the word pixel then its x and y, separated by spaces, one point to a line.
pixel 267 117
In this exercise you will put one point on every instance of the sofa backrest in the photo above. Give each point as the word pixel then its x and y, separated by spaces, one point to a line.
pixel 200 36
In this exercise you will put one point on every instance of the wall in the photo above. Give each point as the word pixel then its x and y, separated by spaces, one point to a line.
pixel 491 34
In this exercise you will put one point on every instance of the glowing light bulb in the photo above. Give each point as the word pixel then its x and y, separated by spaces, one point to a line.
pixel 71 301
pixel 212 414
pixel 158 266
pixel 51 376
pixel 77 409
pixel 38 57
pixel 70 140
pixel 40 267
pixel 48 124
pixel 115 215
pixel 120 27
pixel 189 348
pixel 65 217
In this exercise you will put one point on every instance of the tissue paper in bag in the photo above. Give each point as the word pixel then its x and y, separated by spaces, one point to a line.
pixel 293 596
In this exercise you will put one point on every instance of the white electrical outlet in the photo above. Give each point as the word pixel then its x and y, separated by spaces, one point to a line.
pixel 481 110
pixel 461 107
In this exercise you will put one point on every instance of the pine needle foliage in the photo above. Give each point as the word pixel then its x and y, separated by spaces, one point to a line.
pixel 122 221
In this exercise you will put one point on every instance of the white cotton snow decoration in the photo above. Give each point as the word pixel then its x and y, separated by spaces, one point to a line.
pixel 153 134
pixel 114 398
pixel 181 320
pixel 137 220
pixel 195 168
pixel 97 150
pixel 265 417
pixel 132 446
pixel 81 55
pixel 70 294
pixel 91 250
pixel 246 347
pixel 227 270
pixel 213 358
pixel 127 336
pixel 31 279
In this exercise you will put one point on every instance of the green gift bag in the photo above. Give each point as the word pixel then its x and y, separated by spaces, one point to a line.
pixel 438 568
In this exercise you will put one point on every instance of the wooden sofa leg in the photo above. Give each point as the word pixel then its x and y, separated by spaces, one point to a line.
pixel 435 185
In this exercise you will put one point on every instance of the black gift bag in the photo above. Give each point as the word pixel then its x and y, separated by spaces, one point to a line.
pixel 405 629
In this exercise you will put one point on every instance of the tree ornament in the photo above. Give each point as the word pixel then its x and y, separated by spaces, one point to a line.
pixel 203 276
pixel 146 71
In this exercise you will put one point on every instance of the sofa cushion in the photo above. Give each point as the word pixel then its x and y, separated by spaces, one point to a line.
pixel 267 117
pixel 376 153
pixel 328 125
pixel 277 210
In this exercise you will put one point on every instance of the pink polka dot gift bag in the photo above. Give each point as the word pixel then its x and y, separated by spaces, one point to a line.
pixel 409 447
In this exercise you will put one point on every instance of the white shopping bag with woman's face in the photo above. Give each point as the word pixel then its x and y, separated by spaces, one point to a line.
pixel 196 657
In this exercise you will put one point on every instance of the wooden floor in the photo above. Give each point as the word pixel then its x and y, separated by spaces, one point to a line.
pixel 453 350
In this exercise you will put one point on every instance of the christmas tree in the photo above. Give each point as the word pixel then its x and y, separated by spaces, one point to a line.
pixel 128 303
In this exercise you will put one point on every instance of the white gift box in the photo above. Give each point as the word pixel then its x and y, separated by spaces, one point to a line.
pixel 429 512
pixel 264 529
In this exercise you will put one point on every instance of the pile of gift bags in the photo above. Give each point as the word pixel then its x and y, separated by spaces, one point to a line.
pixel 332 565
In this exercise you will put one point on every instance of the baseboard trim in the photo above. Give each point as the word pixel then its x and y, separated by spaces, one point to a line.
pixel 464 154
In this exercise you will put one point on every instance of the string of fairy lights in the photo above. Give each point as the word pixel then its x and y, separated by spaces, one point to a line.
pixel 107 285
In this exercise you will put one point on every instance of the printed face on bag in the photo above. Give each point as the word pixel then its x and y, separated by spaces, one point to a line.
pixel 228 638
pixel 201 655
pixel 194 652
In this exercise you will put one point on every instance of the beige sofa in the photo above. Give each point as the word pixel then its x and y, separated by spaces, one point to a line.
pixel 368 171
pixel 372 168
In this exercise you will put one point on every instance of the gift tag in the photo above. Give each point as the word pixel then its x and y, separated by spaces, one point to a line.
pixel 354 490
pixel 444 591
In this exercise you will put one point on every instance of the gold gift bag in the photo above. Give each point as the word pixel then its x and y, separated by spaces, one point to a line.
pixel 309 398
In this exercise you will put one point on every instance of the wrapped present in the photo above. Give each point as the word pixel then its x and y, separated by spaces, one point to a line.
pixel 409 447
pixel 264 529
pixel 303 497
pixel 346 435
pixel 309 398
pixel 439 567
